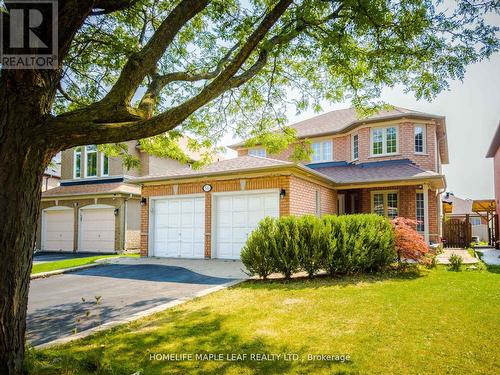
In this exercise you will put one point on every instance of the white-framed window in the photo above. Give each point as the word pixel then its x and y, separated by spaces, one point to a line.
pixel 91 158
pixel 385 203
pixel 420 211
pixel 77 164
pixel 322 151
pixel 318 203
pixel 104 165
pixel 257 152
pixel 355 147
pixel 475 221
pixel 384 141
pixel 419 139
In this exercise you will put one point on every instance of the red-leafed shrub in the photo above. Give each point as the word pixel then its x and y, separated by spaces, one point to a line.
pixel 408 243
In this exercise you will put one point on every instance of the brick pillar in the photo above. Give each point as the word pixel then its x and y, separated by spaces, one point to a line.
pixel 208 225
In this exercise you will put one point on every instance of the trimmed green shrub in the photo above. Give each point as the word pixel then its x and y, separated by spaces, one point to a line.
pixel 258 253
pixel 357 243
pixel 339 245
pixel 310 254
pixel 286 252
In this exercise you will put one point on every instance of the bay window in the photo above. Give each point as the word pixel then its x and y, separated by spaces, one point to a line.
pixel 355 147
pixel 322 151
pixel 91 156
pixel 384 141
pixel 419 138
pixel 77 166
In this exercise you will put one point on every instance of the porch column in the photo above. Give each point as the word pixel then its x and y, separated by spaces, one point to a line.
pixel 426 211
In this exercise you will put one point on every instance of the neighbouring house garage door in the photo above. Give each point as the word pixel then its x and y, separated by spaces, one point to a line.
pixel 97 229
pixel 58 229
pixel 236 216
pixel 179 227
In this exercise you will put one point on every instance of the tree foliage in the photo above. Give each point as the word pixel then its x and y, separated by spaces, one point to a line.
pixel 408 242
pixel 315 52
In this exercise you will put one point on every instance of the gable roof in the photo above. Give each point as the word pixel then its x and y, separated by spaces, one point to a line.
pixel 495 143
pixel 343 120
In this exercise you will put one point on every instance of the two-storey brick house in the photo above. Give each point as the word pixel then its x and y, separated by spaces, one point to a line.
pixel 389 164
pixel 96 208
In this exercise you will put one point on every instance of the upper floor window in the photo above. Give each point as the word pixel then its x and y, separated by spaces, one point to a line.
pixel 77 168
pixel 475 221
pixel 257 152
pixel 385 203
pixel 322 151
pixel 91 156
pixel 384 140
pixel 355 147
pixel 420 138
pixel 104 165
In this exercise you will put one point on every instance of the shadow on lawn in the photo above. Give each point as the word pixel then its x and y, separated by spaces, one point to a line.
pixel 128 350
pixel 324 280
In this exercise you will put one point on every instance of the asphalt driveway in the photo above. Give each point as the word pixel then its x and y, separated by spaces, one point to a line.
pixel 62 305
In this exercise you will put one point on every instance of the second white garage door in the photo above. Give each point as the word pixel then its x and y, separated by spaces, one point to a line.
pixel 236 216
pixel 97 229
pixel 179 227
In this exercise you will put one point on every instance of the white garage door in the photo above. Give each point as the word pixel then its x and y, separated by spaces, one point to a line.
pixel 58 230
pixel 179 227
pixel 97 229
pixel 236 216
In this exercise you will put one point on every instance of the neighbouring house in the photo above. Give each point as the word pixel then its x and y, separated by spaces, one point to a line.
pixel 96 208
pixel 494 152
pixel 51 177
pixel 389 164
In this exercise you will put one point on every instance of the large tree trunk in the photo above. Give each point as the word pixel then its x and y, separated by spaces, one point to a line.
pixel 22 161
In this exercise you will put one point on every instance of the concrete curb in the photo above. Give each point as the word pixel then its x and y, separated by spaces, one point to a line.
pixel 97 262
pixel 136 316
pixel 42 275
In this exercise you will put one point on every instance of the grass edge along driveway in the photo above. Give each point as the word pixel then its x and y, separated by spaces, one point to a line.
pixel 69 263
pixel 436 322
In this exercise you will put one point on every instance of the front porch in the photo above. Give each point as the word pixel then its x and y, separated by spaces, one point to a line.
pixel 416 202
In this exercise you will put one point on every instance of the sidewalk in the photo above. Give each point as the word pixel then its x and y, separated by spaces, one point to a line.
pixel 444 257
pixel 490 256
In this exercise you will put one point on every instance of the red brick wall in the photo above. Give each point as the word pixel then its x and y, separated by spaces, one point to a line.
pixel 300 199
pixel 260 183
pixel 303 198
pixel 342 147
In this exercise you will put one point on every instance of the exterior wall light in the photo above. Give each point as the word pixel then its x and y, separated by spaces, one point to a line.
pixel 282 193
pixel 144 201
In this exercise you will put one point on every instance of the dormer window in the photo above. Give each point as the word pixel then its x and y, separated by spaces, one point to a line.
pixel 77 167
pixel 91 165
pixel 261 152
pixel 322 151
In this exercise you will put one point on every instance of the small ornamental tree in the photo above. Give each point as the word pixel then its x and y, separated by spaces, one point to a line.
pixel 409 244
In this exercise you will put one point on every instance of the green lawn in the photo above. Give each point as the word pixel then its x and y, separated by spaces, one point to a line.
pixel 68 263
pixel 433 323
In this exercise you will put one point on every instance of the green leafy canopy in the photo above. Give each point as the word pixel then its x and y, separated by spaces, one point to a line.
pixel 323 51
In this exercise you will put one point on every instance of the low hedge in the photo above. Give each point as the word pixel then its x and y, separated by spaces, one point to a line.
pixel 339 245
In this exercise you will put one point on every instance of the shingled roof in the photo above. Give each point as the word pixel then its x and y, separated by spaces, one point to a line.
pixel 390 170
pixel 93 189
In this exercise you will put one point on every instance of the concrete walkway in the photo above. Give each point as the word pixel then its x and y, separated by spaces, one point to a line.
pixel 490 256
pixel 444 257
